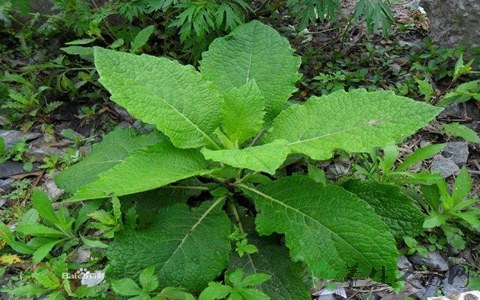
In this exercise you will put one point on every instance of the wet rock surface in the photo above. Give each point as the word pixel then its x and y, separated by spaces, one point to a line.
pixel 434 261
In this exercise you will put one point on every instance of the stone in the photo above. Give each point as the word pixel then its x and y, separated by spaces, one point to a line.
pixel 12 137
pixel 447 167
pixel 403 263
pixel 39 153
pixel 6 185
pixel 472 295
pixel 454 22
pixel 455 281
pixel 431 288
pixel 434 261
pixel 457 152
pixel 53 192
pixel 9 168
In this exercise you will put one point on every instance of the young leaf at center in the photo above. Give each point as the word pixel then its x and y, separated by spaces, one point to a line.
pixel 265 158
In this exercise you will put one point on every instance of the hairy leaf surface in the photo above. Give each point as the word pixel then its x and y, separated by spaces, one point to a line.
pixel 265 158
pixel 326 224
pixel 395 208
pixel 114 149
pixel 287 281
pixel 355 121
pixel 254 51
pixel 187 247
pixel 145 169
pixel 159 91
pixel 243 111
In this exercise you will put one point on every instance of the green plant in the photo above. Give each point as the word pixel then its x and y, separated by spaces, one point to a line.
pixel 452 210
pixel 57 229
pixel 3 151
pixel 227 126
pixel 149 283
pixel 383 168
pixel 376 13
pixel 237 287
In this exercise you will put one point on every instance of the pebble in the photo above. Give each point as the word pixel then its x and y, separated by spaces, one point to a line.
pixel 434 261
pixel 447 167
pixel 457 152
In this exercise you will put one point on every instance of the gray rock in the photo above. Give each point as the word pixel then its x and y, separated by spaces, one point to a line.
pixel 403 263
pixel 453 110
pixel 455 280
pixel 53 192
pixel 431 289
pixel 457 152
pixel 12 137
pixel 447 167
pixel 434 261
pixel 9 168
pixel 454 22
pixel 6 184
pixel 39 153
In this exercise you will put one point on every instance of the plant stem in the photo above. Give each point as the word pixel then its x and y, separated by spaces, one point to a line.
pixel 233 209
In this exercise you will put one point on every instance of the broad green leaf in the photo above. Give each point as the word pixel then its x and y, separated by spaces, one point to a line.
pixel 21 247
pixel 114 149
pixel 147 204
pixel 44 207
pixel 397 210
pixel 419 155
pixel 146 169
pixel 326 224
pixel 142 38
pixel 434 220
pixel 148 280
pixel 265 158
pixel 46 278
pixel 462 93
pixel 78 50
pixel 187 247
pixel 126 287
pixel 390 154
pixel 316 174
pixel 173 97
pixel 470 217
pixel 254 51
pixel 6 234
pixel 459 130
pixel 425 88
pixel 287 276
pixel 39 230
pixel 43 251
pixel 243 111
pixel 355 121
pixel 458 66
pixel 254 279
pixel 215 290
pixel 463 186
